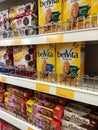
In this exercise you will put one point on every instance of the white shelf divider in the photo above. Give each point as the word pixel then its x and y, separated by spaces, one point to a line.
pixel 78 94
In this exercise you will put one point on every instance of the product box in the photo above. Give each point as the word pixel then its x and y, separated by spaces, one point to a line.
pixel 93 124
pixel 74 9
pixel 6 57
pixel 30 103
pixel 46 61
pixel 20 92
pixel 26 21
pixel 48 109
pixel 31 7
pixel 46 122
pixel 69 61
pixel 15 102
pixel 49 12
pixel 94 13
pixel 51 98
pixel 25 57
pixel 78 109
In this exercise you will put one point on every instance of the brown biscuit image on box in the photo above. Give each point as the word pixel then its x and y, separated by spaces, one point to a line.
pixel 65 70
pixel 66 67
pixel 5 56
pixel 74 11
pixel 30 50
pixel 27 8
pixel 44 65
pixel 26 21
pixel 30 63
pixel 27 57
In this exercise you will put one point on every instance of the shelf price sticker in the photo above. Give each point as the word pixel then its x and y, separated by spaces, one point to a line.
pixel 17 41
pixel 55 38
pixel 43 88
pixel 66 93
pixel 3 79
pixel 30 128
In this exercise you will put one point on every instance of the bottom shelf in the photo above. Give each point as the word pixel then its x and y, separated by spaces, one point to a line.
pixel 23 125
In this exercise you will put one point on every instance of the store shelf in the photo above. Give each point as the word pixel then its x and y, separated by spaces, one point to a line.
pixel 78 94
pixel 58 37
pixel 16 121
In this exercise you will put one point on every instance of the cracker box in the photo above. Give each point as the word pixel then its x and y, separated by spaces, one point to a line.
pixel 25 57
pixel 46 61
pixel 69 61
pixel 49 12
pixel 94 13
pixel 74 9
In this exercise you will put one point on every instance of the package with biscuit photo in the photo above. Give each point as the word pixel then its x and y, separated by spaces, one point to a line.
pixel 73 9
pixel 31 7
pixel 69 63
pixel 49 12
pixel 46 62
pixel 24 57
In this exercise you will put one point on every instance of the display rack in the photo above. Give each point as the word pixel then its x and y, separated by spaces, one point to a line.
pixel 80 94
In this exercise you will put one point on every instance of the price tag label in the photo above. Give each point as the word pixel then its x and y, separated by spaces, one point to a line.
pixel 16 41
pixel 3 79
pixel 65 93
pixel 30 128
pixel 43 88
pixel 55 38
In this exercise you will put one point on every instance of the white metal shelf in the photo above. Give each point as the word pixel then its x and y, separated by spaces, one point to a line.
pixel 78 94
pixel 22 125
pixel 57 37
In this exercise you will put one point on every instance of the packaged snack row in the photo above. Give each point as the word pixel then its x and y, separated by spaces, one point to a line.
pixel 48 62
pixel 73 14
pixel 79 117
pixel 19 21
pixel 49 112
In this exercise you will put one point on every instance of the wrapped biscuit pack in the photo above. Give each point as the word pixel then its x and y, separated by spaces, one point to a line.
pixel 69 62
pixel 46 61
pixel 50 12
pixel 75 12
pixel 25 57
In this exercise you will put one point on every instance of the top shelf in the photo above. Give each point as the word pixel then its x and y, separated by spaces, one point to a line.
pixel 57 37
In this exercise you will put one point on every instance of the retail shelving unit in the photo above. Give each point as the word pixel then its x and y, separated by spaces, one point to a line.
pixel 78 94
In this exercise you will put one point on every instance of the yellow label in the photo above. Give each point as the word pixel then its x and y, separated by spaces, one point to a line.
pixel 55 38
pixel 3 79
pixel 43 88
pixel 30 128
pixel 16 42
pixel 65 93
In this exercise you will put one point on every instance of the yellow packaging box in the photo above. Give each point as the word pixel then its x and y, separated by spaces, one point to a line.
pixel 46 61
pixel 94 13
pixel 69 61
pixel 73 9
pixel 49 11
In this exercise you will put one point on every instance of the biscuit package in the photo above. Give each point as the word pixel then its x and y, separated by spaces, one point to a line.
pixel 46 61
pixel 94 13
pixel 6 57
pixel 49 12
pixel 25 57
pixel 69 61
pixel 73 11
